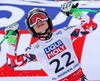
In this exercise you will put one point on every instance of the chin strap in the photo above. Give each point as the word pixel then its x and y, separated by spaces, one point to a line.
pixel 46 38
pixel 41 37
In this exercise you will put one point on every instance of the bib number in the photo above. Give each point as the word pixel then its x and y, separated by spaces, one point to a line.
pixel 68 62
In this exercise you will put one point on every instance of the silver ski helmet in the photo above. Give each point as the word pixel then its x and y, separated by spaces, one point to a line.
pixel 28 24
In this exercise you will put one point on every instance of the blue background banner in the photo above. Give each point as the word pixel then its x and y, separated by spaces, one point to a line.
pixel 52 11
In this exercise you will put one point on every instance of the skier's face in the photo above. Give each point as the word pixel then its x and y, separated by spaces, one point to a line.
pixel 39 22
pixel 40 26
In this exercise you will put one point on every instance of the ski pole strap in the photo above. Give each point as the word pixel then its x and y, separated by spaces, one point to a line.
pixel 11 39
pixel 77 14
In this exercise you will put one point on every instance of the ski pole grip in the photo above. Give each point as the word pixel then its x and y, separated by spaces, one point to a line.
pixel 10 32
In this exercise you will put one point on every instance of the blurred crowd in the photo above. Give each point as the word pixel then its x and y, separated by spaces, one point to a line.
pixel 73 0
pixel 59 0
pixel 86 0
pixel 63 0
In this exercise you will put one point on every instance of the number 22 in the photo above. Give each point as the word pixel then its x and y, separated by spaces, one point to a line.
pixel 68 62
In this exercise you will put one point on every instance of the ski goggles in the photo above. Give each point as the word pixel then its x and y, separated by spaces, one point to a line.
pixel 39 15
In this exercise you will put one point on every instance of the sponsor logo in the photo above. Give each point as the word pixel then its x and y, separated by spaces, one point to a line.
pixel 54 49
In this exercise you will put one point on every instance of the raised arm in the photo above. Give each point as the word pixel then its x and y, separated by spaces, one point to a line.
pixel 13 59
pixel 86 26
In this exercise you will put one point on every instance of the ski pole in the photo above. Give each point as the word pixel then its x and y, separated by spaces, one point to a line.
pixel 84 10
pixel 9 33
